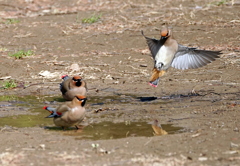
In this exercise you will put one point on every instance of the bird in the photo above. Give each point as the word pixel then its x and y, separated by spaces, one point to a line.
pixel 166 53
pixel 71 113
pixel 72 86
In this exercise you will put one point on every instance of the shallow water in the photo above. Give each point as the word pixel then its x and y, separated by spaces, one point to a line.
pixel 109 130
pixel 35 116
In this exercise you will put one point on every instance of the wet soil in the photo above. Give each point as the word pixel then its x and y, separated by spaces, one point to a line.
pixel 199 108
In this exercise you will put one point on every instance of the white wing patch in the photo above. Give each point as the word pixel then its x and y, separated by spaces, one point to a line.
pixel 190 61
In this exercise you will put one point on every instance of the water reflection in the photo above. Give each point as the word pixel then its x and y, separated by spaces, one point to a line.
pixel 110 130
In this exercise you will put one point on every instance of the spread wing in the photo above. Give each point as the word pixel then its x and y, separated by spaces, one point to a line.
pixel 153 44
pixel 192 58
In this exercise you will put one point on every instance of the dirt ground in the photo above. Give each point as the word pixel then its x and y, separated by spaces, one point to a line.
pixel 112 56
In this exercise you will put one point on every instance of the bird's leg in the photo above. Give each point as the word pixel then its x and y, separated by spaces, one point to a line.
pixel 156 74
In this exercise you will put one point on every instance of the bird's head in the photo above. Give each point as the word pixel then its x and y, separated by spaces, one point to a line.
pixel 77 80
pixel 165 33
pixel 82 99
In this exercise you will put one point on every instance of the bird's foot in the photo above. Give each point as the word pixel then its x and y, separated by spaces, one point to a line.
pixel 154 83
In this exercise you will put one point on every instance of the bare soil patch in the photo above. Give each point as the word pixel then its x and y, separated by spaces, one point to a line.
pixel 113 58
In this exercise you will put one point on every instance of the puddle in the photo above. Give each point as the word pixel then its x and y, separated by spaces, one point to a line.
pixel 23 111
pixel 109 130
pixel 32 118
pixel 37 102
pixel 35 116
pixel 26 121
pixel 26 111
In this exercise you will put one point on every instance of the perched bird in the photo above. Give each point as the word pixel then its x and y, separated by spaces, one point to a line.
pixel 69 114
pixel 72 86
pixel 167 52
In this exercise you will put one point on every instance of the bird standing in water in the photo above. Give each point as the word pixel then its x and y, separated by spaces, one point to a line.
pixel 167 52
pixel 71 113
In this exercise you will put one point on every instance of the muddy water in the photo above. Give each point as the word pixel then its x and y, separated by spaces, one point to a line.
pixel 109 130
pixel 95 131
pixel 29 111
pixel 31 114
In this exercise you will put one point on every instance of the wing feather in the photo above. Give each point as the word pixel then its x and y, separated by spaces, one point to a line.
pixel 153 44
pixel 192 58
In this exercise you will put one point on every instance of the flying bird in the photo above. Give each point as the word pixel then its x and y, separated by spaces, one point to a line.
pixel 166 53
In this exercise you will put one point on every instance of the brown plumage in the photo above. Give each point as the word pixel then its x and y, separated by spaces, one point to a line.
pixel 72 86
pixel 71 113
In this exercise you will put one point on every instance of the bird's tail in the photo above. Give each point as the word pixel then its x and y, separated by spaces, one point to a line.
pixel 65 77
pixel 154 83
pixel 156 74
pixel 53 112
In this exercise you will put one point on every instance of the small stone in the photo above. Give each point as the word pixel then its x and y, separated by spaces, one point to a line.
pixel 202 158
pixel 75 67
pixel 42 146
pixel 236 129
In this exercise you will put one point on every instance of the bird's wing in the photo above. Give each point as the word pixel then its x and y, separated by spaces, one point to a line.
pixel 64 86
pixel 64 108
pixel 192 58
pixel 153 44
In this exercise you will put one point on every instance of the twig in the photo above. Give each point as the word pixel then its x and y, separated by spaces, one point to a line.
pixel 148 142
pixel 32 85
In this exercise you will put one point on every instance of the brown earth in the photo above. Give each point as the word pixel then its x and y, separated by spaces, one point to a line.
pixel 113 58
